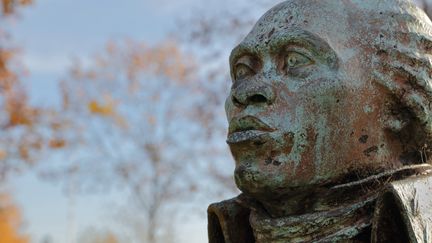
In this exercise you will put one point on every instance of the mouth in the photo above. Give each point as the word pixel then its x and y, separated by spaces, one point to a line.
pixel 247 128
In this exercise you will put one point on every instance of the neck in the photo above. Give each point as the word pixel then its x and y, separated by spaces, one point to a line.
pixel 320 199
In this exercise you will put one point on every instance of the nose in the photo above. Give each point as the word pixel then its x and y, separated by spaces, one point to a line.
pixel 252 93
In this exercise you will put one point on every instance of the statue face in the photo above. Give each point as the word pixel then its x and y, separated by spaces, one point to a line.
pixel 303 110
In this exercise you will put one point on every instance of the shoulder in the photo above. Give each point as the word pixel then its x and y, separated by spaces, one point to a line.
pixel 228 222
pixel 403 211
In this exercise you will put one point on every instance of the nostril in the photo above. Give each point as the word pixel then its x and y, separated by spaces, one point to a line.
pixel 257 99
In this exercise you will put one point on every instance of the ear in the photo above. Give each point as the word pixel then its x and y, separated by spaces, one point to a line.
pixel 409 119
pixel 396 122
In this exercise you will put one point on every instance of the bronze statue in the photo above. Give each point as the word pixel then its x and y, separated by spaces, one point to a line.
pixel 330 126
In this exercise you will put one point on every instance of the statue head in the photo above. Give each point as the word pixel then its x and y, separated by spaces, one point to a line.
pixel 326 92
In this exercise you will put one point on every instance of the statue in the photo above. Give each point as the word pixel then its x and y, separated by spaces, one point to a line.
pixel 330 126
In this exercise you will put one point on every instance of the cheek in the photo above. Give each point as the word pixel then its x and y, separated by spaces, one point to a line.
pixel 350 136
pixel 322 125
pixel 305 169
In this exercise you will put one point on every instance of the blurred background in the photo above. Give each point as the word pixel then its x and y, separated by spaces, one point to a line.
pixel 112 126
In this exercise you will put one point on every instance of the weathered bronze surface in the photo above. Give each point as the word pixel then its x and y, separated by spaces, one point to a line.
pixel 330 125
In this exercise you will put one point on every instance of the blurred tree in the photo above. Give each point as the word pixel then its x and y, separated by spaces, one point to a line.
pixel 10 222
pixel 9 6
pixel 135 120
pixel 25 130
pixel 21 137
pixel 16 112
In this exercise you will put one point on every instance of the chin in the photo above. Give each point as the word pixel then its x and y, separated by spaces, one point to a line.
pixel 261 184
pixel 273 184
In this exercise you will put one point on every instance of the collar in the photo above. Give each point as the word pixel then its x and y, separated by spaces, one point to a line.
pixel 343 212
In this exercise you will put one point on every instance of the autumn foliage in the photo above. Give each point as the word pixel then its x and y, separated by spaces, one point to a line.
pixel 10 222
pixel 15 112
pixel 8 6
pixel 125 109
pixel 24 128
pixel 14 99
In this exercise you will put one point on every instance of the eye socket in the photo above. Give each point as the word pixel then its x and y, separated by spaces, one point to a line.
pixel 296 60
pixel 242 71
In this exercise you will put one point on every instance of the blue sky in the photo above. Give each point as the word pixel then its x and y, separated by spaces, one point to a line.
pixel 53 32
pixel 50 34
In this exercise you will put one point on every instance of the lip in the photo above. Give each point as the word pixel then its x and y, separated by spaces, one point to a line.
pixel 247 128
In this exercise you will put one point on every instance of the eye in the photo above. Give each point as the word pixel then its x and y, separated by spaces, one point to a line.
pixel 242 71
pixel 295 60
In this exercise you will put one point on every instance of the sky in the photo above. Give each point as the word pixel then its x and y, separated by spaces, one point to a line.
pixel 51 33
pixel 56 31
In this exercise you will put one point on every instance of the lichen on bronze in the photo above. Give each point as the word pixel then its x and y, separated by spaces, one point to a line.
pixel 330 125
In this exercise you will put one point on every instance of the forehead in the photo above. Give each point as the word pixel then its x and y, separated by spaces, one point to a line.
pixel 333 19
pixel 352 28
pixel 323 19
pixel 317 23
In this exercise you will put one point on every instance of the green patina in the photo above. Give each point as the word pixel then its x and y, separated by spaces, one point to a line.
pixel 327 94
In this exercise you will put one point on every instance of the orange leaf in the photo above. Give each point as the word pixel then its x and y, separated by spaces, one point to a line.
pixel 10 221
pixel 3 154
pixel 57 143
pixel 101 109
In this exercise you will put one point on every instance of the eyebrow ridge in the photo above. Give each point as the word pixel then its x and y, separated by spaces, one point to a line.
pixel 294 36
pixel 241 50
pixel 305 39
